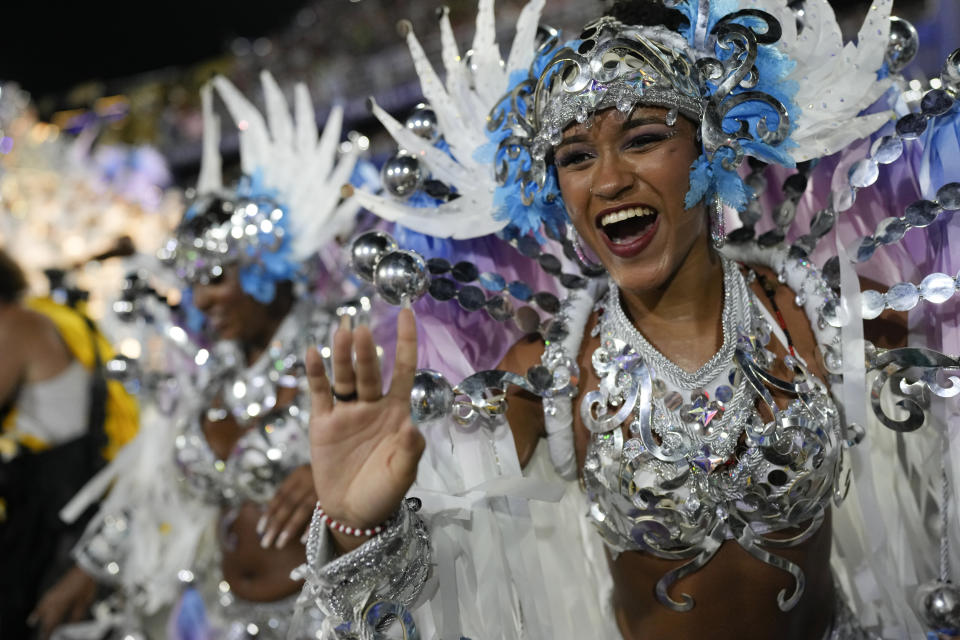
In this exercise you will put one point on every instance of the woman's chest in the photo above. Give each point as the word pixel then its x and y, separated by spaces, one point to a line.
pixel 223 459
pixel 749 444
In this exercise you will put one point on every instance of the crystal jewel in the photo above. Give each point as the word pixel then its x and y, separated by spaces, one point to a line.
pixel 872 304
pixel 936 102
pixel 887 149
pixel 863 249
pixel 842 199
pixel 949 196
pixel 921 213
pixel 937 287
pixel 903 296
pixel 911 126
pixel 890 230
pixel 864 173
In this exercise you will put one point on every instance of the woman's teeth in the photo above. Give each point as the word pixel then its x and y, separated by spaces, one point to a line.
pixel 627 225
pixel 626 214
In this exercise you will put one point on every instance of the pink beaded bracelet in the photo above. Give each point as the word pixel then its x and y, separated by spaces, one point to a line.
pixel 342 528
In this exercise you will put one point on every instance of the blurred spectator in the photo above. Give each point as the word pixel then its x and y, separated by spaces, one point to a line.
pixel 61 420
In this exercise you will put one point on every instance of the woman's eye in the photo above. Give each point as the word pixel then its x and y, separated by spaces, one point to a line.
pixel 644 140
pixel 572 158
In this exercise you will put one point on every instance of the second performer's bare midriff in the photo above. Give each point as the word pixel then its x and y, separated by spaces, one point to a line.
pixel 254 573
pixel 735 595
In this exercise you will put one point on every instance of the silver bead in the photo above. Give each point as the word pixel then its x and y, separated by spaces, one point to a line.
pixel 423 123
pixel 431 397
pixel 903 296
pixel 939 605
pixel 938 288
pixel 950 74
pixel 401 276
pixel 402 175
pixel 902 45
pixel 864 173
pixel 366 251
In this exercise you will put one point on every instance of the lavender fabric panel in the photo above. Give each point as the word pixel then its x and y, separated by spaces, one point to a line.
pixel 452 341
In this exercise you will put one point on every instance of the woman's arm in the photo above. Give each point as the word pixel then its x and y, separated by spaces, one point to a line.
pixel 13 365
pixel 524 409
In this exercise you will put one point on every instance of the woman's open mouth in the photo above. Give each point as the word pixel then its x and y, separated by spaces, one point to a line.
pixel 628 230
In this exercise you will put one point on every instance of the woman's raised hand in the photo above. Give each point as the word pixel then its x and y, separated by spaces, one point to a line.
pixel 364 448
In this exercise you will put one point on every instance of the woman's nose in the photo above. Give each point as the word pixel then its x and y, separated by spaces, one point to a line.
pixel 613 176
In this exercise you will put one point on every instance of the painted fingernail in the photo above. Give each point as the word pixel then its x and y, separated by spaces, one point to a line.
pixel 267 539
pixel 262 524
pixel 303 538
pixel 282 539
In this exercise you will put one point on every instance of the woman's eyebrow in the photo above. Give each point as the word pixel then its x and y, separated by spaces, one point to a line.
pixel 629 124
pixel 642 120
pixel 571 140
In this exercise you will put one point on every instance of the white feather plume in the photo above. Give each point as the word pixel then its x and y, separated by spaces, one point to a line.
pixel 835 82
pixel 462 102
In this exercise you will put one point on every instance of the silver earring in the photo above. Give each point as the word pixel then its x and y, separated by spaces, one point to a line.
pixel 588 266
pixel 717 225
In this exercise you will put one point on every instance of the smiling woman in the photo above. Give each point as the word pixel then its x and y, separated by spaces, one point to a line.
pixel 689 398
pixel 619 183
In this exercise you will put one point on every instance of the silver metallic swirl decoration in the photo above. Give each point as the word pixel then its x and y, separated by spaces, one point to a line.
pixel 908 374
pixel 738 71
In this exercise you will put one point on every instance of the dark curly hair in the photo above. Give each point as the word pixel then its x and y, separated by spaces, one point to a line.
pixel 13 284
pixel 647 13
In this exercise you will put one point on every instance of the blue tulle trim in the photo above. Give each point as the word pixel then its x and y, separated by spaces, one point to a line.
pixel 265 268
pixel 547 208
pixel 708 178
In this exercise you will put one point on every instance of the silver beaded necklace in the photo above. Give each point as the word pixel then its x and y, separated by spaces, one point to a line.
pixel 735 310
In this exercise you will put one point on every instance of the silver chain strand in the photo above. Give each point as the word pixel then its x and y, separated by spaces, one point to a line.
pixel 735 295
pixel 944 517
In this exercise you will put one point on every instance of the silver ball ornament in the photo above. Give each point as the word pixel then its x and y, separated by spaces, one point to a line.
pixel 431 397
pixel 939 605
pixel 401 276
pixel 366 251
pixel 423 123
pixel 402 175
pixel 950 74
pixel 903 44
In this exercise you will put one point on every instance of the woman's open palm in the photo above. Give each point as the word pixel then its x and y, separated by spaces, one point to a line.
pixel 364 447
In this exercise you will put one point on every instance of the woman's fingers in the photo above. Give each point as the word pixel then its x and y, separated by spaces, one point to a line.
pixel 344 379
pixel 296 522
pixel 406 363
pixel 289 508
pixel 369 383
pixel 320 399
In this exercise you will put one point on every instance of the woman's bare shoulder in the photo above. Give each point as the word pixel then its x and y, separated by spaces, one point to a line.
pixel 524 409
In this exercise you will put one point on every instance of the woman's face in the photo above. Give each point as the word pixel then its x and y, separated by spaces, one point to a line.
pixel 624 180
pixel 231 313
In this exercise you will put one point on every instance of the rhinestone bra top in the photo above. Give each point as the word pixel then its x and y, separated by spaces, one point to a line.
pixel 276 438
pixel 677 463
